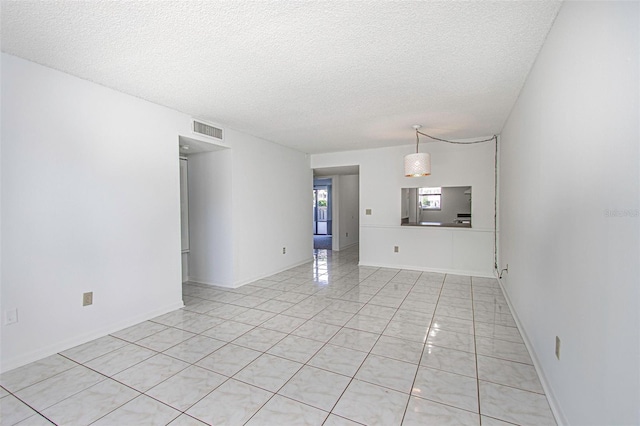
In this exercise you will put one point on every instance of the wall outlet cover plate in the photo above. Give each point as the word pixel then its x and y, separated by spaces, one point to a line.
pixel 87 299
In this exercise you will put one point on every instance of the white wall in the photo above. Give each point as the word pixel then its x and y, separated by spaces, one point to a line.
pixel 346 191
pixel 211 218
pixel 464 251
pixel 278 182
pixel 185 267
pixel 247 203
pixel 90 202
pixel 569 158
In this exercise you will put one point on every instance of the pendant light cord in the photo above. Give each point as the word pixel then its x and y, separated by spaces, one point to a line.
pixel 495 207
pixel 495 184
pixel 455 142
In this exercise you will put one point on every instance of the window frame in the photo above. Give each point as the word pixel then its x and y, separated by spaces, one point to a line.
pixel 430 192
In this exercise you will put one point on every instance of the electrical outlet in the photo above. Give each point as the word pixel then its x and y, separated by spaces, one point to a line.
pixel 396 249
pixel 367 212
pixel 284 250
pixel 10 316
pixel 87 299
pixel 558 347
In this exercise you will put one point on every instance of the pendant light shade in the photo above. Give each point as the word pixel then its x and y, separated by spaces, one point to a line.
pixel 417 164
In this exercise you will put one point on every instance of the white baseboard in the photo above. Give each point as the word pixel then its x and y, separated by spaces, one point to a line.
pixel 24 359
pixel 553 402
pixel 483 274
pixel 348 247
pixel 209 283
pixel 261 276
pixel 249 280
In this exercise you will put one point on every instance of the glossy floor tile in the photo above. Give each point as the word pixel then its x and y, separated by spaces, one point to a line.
pixel 326 343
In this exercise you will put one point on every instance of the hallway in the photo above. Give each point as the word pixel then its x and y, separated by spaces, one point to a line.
pixel 322 242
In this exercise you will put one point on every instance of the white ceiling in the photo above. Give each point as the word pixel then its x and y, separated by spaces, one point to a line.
pixel 315 76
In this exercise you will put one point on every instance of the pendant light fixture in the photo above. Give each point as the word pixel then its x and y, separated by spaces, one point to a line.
pixel 419 163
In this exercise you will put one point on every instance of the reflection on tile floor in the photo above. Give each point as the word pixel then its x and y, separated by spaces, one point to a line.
pixel 324 343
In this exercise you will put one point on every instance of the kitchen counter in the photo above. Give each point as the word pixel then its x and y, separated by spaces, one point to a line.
pixel 439 224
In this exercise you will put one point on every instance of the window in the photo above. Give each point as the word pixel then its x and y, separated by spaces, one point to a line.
pixel 430 198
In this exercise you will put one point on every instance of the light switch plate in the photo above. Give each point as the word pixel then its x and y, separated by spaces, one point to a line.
pixel 87 299
pixel 10 316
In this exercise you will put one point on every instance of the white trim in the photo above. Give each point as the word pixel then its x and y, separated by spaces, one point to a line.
pixel 348 247
pixel 58 347
pixel 480 274
pixel 259 277
pixel 553 402
pixel 205 282
pixel 249 280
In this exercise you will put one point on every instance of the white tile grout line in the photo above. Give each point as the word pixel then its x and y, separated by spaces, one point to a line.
pixel 305 364
pixel 386 282
pixel 423 348
pixel 328 342
pixel 475 352
pixel 380 335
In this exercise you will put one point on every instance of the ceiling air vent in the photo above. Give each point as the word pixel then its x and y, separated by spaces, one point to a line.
pixel 207 130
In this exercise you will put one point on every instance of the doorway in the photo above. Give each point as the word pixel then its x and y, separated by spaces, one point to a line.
pixel 340 212
pixel 193 154
pixel 322 214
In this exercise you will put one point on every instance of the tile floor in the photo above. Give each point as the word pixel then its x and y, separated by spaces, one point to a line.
pixel 327 343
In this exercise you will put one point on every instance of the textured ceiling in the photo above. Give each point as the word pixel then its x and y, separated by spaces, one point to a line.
pixel 315 76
